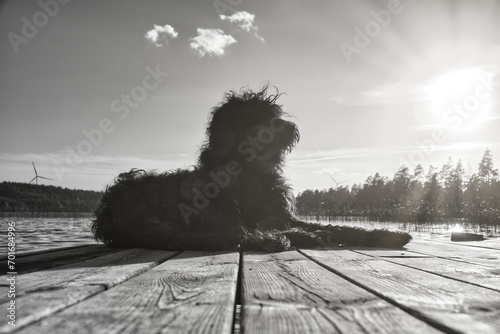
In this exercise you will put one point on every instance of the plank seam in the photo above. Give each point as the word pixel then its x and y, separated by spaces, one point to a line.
pixel 73 259
pixel 238 312
pixel 50 250
pixel 412 312
pixel 103 285
pixel 43 317
pixel 454 259
pixel 428 271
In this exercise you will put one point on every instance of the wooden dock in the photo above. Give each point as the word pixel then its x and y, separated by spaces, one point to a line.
pixel 432 286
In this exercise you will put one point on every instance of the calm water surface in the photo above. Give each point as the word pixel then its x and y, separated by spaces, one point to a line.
pixel 415 229
pixel 33 234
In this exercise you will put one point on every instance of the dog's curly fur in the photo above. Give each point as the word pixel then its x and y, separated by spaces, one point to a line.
pixel 236 196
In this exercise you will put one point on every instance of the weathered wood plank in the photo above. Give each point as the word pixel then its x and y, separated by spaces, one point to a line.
pixel 46 292
pixel 194 292
pixel 389 253
pixel 288 293
pixel 457 252
pixel 445 303
pixel 467 272
pixel 49 259
pixel 44 251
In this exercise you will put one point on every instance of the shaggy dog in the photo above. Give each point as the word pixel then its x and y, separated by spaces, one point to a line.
pixel 234 198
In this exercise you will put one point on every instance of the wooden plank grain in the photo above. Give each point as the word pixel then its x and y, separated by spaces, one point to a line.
pixel 43 293
pixel 53 258
pixel 288 293
pixel 457 252
pixel 50 250
pixel 476 274
pixel 447 304
pixel 194 292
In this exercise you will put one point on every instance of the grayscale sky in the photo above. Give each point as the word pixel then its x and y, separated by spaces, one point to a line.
pixel 371 85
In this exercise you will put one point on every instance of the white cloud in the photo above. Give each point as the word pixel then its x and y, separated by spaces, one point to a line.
pixel 212 42
pixel 244 21
pixel 159 35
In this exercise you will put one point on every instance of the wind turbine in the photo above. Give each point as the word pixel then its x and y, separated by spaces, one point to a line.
pixel 336 183
pixel 36 175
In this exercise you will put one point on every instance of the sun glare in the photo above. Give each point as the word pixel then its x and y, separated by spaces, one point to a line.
pixel 457 228
pixel 460 99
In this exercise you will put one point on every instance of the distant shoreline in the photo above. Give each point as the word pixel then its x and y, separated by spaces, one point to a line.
pixel 45 201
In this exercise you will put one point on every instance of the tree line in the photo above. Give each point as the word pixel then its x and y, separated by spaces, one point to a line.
pixel 417 195
pixel 25 197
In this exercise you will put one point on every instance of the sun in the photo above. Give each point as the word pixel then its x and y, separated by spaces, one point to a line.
pixel 460 100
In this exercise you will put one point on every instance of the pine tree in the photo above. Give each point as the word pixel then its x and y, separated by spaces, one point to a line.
pixel 454 192
pixel 487 172
pixel 428 210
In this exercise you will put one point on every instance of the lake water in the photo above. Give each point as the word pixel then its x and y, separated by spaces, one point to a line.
pixel 415 229
pixel 33 234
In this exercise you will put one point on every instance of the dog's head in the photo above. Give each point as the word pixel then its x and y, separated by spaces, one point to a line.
pixel 248 127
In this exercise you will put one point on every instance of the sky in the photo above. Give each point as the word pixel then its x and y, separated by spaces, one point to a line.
pixel 90 89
